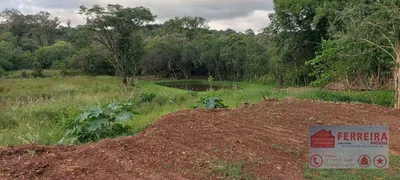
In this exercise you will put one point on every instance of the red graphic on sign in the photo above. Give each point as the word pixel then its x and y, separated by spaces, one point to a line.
pixel 323 139
pixel 316 160
pixel 380 161
pixel 364 161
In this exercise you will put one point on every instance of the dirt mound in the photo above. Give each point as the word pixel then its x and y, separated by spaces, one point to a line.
pixel 270 139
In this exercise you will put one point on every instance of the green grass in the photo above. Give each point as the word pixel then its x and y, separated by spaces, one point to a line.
pixel 359 174
pixel 378 97
pixel 34 110
pixel 28 73
pixel 229 170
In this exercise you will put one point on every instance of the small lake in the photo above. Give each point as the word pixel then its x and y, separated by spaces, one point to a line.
pixel 191 86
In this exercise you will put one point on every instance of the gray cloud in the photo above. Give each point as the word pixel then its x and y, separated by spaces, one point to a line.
pixel 256 21
pixel 9 4
pixel 221 14
pixel 55 4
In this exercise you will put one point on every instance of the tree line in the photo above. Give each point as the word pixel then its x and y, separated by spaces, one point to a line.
pixel 122 41
pixel 353 43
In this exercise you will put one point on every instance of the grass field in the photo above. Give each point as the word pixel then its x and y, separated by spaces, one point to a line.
pixel 37 110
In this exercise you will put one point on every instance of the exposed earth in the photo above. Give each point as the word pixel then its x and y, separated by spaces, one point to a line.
pixel 270 139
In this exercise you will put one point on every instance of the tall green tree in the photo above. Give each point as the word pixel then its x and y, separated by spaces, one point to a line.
pixel 187 25
pixel 209 46
pixel 166 55
pixel 234 54
pixel 6 54
pixel 32 27
pixel 44 28
pixel 116 28
pixel 17 23
pixel 296 36
pixel 93 60
pixel 371 30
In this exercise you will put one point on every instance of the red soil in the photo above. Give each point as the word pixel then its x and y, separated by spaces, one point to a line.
pixel 270 138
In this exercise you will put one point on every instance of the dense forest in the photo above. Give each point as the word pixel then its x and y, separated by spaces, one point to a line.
pixel 354 44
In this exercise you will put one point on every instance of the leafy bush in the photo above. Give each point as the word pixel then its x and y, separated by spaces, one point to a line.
pixel 2 72
pixel 210 81
pixel 192 93
pixel 61 66
pixel 47 55
pixel 147 97
pixel 211 103
pixel 37 69
pixel 100 122
pixel 93 60
pixel 24 74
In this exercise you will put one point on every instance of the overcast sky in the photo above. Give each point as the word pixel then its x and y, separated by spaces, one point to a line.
pixel 221 14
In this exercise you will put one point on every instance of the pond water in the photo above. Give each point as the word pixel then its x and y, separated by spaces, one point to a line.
pixel 192 87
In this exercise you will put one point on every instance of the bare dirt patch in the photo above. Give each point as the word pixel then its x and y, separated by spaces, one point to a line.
pixel 269 138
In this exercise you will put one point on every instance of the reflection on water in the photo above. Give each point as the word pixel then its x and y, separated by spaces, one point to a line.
pixel 192 87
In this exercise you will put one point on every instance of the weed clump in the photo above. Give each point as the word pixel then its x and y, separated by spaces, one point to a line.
pixel 230 170
pixel 211 103
pixel 147 97
pixel 100 122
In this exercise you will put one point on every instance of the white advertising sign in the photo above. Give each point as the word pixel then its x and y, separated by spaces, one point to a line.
pixel 348 147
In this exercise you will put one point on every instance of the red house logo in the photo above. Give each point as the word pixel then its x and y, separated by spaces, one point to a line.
pixel 323 139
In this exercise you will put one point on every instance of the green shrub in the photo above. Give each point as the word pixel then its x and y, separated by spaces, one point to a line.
pixel 7 122
pixel 2 72
pixel 92 60
pixel 24 74
pixel 61 66
pixel 210 82
pixel 192 93
pixel 147 97
pixel 211 103
pixel 230 170
pixel 100 122
pixel 37 69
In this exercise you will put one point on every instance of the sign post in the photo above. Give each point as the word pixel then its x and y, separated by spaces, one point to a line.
pixel 349 147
